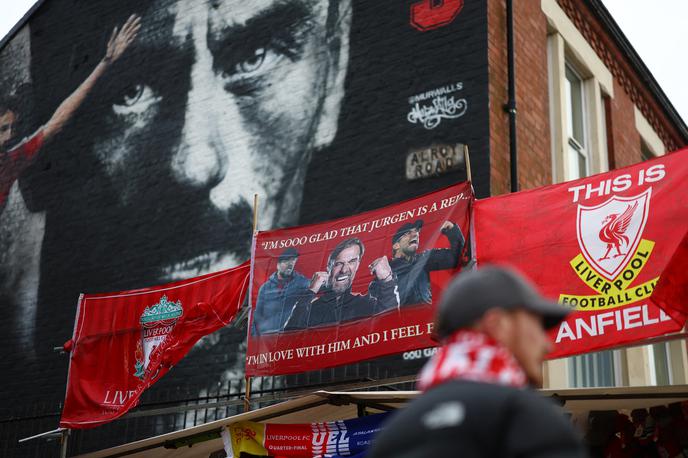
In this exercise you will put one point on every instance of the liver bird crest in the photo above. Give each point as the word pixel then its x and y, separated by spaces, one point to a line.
pixel 614 229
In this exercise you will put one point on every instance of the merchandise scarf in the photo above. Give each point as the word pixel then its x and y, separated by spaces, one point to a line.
pixel 472 355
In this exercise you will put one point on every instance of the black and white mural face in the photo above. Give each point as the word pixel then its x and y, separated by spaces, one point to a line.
pixel 150 125
pixel 244 92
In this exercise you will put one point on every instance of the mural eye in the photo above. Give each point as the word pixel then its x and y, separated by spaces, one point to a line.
pixel 135 99
pixel 132 95
pixel 252 63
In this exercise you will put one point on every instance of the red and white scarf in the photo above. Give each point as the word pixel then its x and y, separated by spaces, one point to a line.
pixel 472 355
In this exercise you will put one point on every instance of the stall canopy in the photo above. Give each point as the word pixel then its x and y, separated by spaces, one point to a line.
pixel 319 406
pixel 204 440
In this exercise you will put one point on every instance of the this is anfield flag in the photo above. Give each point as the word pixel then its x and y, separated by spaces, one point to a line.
pixel 354 288
pixel 601 245
pixel 342 438
pixel 124 342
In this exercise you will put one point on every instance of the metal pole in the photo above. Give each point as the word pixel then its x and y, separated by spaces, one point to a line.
pixel 511 104
pixel 64 439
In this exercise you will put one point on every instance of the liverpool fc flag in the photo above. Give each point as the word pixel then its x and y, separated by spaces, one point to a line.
pixel 610 246
pixel 124 342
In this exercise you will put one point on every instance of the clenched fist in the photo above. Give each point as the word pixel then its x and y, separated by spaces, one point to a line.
pixel 381 269
pixel 447 225
pixel 318 280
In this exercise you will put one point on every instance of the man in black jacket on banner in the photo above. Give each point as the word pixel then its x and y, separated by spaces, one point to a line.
pixel 413 269
pixel 476 401
pixel 337 303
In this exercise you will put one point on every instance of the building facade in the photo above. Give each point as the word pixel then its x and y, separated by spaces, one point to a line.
pixel 313 105
pixel 586 104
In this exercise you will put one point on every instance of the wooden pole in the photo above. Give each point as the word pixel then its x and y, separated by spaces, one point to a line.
pixel 247 397
pixel 255 212
pixel 467 161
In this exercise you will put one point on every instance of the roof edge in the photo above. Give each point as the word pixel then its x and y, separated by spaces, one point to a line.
pixel 598 8
pixel 13 31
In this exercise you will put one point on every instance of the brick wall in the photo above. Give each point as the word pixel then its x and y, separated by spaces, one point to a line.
pixel 530 43
pixel 314 106
pixel 624 134
pixel 532 99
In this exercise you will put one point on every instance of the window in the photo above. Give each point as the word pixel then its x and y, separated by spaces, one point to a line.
pixel 592 370
pixel 577 90
pixel 662 367
pixel 651 145
pixel 645 151
pixel 577 153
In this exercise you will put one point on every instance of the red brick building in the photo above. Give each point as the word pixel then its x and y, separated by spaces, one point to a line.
pixel 627 116
pixel 586 104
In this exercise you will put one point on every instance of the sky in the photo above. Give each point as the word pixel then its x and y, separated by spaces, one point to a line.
pixel 657 31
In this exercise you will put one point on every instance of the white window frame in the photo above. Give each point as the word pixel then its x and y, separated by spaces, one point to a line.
pixel 567 47
pixel 654 360
pixel 582 150
pixel 648 136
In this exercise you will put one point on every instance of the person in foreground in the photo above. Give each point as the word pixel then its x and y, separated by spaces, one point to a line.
pixel 476 401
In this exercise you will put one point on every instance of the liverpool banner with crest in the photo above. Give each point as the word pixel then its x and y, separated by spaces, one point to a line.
pixel 354 288
pixel 124 342
pixel 601 245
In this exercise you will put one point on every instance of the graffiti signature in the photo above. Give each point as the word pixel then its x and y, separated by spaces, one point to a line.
pixel 442 107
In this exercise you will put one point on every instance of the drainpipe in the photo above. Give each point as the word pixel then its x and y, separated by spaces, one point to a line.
pixel 510 106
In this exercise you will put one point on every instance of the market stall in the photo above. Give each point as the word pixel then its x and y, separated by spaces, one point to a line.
pixel 206 441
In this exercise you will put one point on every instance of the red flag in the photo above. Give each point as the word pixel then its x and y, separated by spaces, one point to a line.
pixel 354 288
pixel 124 342
pixel 599 245
pixel 671 292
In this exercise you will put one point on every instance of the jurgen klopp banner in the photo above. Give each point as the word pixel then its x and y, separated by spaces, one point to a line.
pixel 354 288
pixel 124 342
pixel 600 245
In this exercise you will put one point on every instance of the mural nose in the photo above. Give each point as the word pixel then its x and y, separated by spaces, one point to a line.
pixel 200 159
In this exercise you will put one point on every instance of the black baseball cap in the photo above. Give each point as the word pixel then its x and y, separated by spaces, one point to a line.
pixel 288 254
pixel 403 229
pixel 472 293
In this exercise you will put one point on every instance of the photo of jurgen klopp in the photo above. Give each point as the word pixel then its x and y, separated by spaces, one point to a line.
pixel 336 302
pixel 277 296
pixel 412 268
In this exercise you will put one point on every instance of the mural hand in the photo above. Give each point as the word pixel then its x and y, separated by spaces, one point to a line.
pixel 122 38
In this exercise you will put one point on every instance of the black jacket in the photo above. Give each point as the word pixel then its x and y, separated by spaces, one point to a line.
pixel 329 309
pixel 413 275
pixel 471 419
